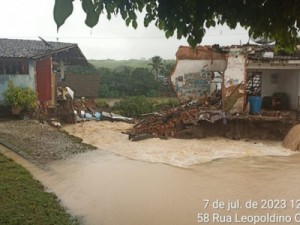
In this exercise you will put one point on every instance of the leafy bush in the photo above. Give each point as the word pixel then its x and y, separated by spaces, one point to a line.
pixel 126 81
pixel 133 106
pixel 23 97
pixel 102 104
pixel 166 104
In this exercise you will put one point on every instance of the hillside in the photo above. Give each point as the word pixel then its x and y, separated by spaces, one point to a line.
pixel 134 63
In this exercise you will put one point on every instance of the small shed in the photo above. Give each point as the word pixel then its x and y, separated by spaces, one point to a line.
pixel 32 63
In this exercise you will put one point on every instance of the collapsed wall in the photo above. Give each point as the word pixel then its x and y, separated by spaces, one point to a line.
pixel 211 84
pixel 196 72
pixel 201 71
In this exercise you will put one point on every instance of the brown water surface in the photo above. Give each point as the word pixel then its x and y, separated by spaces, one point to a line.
pixel 106 188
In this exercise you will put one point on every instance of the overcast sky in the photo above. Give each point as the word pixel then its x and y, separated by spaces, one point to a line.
pixel 28 19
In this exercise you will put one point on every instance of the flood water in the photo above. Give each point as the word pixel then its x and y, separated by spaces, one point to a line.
pixel 110 190
pixel 118 187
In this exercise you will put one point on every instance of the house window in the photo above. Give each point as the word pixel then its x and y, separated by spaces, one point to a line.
pixel 254 83
pixel 14 67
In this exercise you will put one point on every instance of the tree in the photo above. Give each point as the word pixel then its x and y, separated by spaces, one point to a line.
pixel 167 69
pixel 157 65
pixel 134 82
pixel 275 19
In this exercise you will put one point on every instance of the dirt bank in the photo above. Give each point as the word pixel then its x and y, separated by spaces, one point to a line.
pixel 39 141
pixel 292 139
pixel 237 129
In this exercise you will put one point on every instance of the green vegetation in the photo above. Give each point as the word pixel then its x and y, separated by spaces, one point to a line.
pixel 22 97
pixel 157 66
pixel 165 103
pixel 146 89
pixel 24 201
pixel 136 106
pixel 133 63
pixel 102 103
pixel 133 106
pixel 82 69
pixel 130 82
pixel 119 79
pixel 190 18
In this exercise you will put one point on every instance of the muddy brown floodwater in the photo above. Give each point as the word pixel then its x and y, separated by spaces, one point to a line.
pixel 237 181
pixel 107 136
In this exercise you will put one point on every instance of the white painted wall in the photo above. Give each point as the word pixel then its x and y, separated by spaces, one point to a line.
pixel 21 80
pixel 188 66
pixel 184 66
pixel 236 69
pixel 268 88
pixel 289 84
pixel 234 75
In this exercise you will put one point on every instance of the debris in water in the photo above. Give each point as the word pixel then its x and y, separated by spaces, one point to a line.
pixel 169 122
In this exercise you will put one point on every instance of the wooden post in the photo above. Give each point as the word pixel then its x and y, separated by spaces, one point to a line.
pixel 223 91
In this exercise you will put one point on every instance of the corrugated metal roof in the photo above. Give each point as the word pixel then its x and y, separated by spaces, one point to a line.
pixel 17 48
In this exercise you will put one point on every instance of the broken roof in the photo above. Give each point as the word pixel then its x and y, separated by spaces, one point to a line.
pixel 253 51
pixel 267 53
pixel 34 49
pixel 200 52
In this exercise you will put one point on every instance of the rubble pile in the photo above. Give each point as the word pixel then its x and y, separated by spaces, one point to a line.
pixel 168 123
pixel 72 111
pixel 79 110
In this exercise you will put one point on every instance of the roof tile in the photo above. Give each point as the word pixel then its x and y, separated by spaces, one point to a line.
pixel 29 48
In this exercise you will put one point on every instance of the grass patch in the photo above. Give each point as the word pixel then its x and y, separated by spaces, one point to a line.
pixel 24 201
pixel 133 106
pixel 165 103
pixel 136 106
pixel 157 100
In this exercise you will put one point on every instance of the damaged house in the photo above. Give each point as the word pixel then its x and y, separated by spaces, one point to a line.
pixel 244 74
pixel 35 64
pixel 237 92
